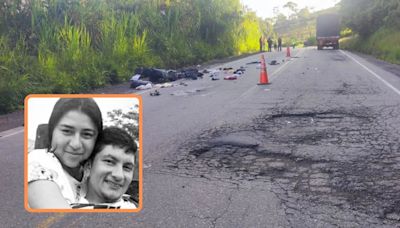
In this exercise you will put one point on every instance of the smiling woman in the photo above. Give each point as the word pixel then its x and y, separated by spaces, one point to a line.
pixel 57 171
pixel 56 177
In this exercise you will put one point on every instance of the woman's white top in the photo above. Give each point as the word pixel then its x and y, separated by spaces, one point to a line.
pixel 44 165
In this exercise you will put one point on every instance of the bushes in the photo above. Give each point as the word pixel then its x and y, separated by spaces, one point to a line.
pixel 17 74
pixel 71 47
pixel 383 44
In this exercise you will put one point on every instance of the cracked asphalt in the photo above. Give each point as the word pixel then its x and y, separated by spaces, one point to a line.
pixel 338 167
pixel 334 167
pixel 318 147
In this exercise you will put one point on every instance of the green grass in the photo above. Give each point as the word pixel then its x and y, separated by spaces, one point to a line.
pixel 383 44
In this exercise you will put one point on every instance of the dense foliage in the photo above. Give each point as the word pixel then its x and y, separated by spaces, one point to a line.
pixel 59 46
pixel 300 26
pixel 375 26
pixel 366 16
pixel 72 46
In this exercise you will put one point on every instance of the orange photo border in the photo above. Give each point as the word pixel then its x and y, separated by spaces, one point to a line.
pixel 140 152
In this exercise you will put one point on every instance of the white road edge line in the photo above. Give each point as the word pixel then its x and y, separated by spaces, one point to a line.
pixel 373 73
pixel 287 62
pixel 14 133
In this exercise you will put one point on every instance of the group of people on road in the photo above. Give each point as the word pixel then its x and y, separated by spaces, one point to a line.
pixel 270 43
pixel 84 166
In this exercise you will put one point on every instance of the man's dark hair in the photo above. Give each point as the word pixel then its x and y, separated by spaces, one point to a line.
pixel 116 137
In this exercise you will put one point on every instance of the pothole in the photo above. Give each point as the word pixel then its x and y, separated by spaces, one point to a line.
pixel 336 157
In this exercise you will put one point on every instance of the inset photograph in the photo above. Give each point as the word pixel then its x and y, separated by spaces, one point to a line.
pixel 83 153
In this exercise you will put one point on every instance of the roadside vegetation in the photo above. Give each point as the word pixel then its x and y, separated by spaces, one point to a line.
pixel 373 27
pixel 368 26
pixel 299 27
pixel 58 46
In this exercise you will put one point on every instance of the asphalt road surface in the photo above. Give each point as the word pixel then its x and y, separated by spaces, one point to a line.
pixel 318 147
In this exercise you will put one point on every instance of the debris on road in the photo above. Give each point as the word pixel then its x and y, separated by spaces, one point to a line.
pixel 191 73
pixel 144 87
pixel 228 73
pixel 274 62
pixel 157 75
pixel 164 85
pixel 239 71
pixel 230 77
pixel 254 62
pixel 214 74
pixel 136 82
pixel 155 93
pixel 162 76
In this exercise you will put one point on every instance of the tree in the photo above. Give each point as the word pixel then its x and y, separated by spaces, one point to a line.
pixel 292 7
pixel 366 16
pixel 303 14
pixel 127 120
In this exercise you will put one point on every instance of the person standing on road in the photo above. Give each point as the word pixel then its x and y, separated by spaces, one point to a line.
pixel 261 41
pixel 269 44
pixel 279 44
pixel 110 169
pixel 55 175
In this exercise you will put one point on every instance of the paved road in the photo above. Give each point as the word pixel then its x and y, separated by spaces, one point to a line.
pixel 318 147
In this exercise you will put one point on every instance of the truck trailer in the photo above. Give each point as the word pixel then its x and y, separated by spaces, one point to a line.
pixel 328 31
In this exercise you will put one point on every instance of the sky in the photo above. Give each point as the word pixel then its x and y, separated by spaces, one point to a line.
pixel 39 109
pixel 265 8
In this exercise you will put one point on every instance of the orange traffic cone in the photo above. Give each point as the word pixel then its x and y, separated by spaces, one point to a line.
pixel 288 51
pixel 263 72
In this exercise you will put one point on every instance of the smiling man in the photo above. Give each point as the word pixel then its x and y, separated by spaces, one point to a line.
pixel 111 169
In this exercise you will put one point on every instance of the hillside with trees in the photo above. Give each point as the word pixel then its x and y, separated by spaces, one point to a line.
pixel 58 46
pixel 368 26
pixel 373 27
pixel 299 27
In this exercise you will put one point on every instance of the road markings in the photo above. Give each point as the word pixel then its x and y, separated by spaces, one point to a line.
pixel 11 134
pixel 273 76
pixel 373 73
pixel 287 62
pixel 207 94
pixel 51 220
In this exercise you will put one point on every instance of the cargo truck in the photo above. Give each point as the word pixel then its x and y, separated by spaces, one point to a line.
pixel 328 31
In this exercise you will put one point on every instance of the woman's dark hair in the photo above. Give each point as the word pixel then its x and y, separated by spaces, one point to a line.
pixel 87 106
